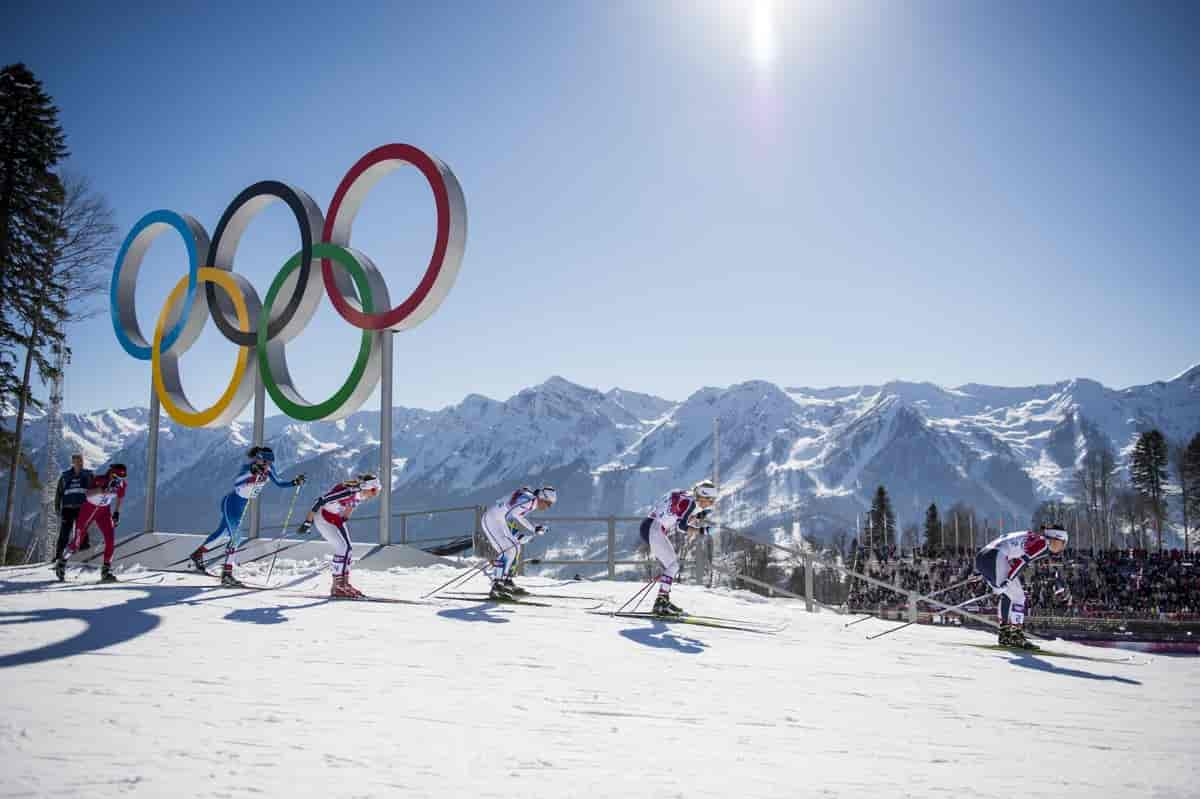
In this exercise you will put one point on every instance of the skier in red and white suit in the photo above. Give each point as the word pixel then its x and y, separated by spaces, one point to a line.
pixel 1000 564
pixel 105 490
pixel 679 511
pixel 329 514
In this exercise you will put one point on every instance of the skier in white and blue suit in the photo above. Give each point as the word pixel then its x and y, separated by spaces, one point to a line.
pixel 248 484
pixel 507 529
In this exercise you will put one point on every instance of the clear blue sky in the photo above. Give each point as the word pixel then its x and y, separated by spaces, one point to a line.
pixel 665 195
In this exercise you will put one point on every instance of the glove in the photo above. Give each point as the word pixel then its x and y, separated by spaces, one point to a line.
pixel 540 530
pixel 116 518
pixel 304 527
pixel 298 480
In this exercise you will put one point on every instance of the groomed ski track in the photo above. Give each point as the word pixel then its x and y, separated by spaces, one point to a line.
pixel 186 689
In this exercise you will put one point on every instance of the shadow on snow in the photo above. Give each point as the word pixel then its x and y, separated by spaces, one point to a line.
pixel 1030 660
pixel 476 613
pixel 660 636
pixel 115 624
pixel 271 615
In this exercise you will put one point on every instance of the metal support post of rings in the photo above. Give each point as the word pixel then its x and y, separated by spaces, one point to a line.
pixel 261 330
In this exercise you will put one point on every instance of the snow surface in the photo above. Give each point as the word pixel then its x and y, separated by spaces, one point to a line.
pixel 186 689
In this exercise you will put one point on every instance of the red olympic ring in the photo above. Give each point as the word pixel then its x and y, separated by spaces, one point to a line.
pixel 447 249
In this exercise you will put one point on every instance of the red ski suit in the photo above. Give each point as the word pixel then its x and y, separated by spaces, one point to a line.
pixel 96 509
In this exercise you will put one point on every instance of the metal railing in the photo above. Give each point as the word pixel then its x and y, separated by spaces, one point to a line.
pixel 405 525
pixel 610 560
pixel 481 548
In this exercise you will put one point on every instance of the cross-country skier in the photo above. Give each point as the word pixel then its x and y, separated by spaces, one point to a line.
pixel 1000 563
pixel 507 529
pixel 249 483
pixel 676 512
pixel 334 508
pixel 69 499
pixel 103 491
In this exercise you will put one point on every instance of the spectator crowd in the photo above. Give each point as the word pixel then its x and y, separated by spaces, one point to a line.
pixel 1117 583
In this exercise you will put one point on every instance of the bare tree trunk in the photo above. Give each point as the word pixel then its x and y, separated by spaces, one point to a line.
pixel 14 462
pixel 1179 456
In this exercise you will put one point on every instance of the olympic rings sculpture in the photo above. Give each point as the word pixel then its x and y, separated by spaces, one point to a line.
pixel 261 330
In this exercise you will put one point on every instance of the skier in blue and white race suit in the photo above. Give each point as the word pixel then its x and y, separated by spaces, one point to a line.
pixel 679 511
pixel 248 484
pixel 507 529
pixel 1001 562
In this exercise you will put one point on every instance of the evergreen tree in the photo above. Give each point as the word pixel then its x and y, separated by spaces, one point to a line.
pixel 1148 472
pixel 32 304
pixel 933 529
pixel 74 266
pixel 883 519
pixel 31 145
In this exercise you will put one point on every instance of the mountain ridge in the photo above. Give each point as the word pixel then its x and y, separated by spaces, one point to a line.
pixel 813 454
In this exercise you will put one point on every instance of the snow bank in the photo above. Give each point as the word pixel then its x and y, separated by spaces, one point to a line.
pixel 185 689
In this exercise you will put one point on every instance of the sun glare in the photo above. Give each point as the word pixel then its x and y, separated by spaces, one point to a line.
pixel 762 34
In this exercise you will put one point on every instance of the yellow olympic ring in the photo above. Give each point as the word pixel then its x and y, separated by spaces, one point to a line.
pixel 225 408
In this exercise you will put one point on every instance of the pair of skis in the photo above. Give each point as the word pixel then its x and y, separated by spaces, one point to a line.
pixel 529 599
pixel 74 579
pixel 629 610
pixel 716 622
pixel 1128 660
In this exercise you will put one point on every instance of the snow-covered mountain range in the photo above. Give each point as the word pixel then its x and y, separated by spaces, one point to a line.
pixel 815 455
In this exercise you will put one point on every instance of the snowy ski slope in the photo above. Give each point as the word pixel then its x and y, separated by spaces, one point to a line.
pixel 183 689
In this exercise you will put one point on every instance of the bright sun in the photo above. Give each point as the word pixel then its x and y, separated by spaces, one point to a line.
pixel 762 34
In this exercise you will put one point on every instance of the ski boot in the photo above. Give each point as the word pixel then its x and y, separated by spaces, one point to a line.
pixel 197 559
pixel 60 569
pixel 664 607
pixel 500 592
pixel 353 591
pixel 1017 640
pixel 106 575
pixel 341 588
pixel 228 580
pixel 513 588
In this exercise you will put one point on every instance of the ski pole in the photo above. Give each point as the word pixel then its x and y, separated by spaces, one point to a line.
pixel 945 590
pixel 283 533
pixel 645 594
pixel 950 588
pixel 949 609
pixel 467 575
pixel 639 596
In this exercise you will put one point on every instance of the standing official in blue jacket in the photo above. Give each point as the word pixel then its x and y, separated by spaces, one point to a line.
pixel 68 499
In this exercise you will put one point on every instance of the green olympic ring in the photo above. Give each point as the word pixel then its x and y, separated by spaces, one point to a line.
pixel 272 363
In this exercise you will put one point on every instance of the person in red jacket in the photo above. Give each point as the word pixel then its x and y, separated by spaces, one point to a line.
pixel 680 511
pixel 334 508
pixel 102 505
